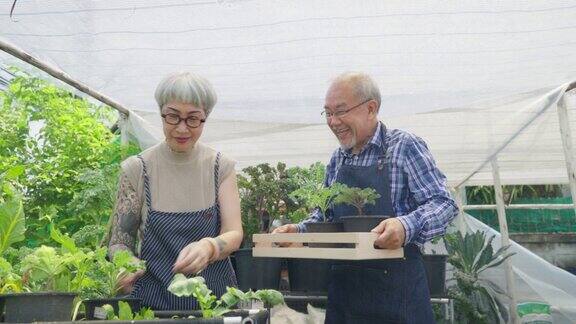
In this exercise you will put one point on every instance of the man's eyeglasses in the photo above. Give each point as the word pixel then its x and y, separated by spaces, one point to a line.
pixel 341 113
pixel 191 121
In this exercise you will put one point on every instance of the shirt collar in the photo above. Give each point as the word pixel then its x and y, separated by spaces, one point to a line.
pixel 376 141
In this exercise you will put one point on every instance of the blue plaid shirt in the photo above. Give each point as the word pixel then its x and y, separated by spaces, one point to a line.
pixel 420 198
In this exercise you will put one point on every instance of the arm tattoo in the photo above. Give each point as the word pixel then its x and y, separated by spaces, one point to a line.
pixel 221 244
pixel 126 218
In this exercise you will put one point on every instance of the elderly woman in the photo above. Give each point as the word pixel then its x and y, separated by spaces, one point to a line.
pixel 178 206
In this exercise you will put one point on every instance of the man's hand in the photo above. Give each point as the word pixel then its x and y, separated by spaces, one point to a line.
pixel 392 234
pixel 288 228
pixel 193 258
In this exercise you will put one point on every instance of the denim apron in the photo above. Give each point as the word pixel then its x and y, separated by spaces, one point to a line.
pixel 165 235
pixel 377 291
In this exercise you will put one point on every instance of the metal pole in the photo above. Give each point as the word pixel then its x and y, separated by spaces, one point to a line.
pixel 461 201
pixel 566 135
pixel 505 239
pixel 122 122
pixel 62 76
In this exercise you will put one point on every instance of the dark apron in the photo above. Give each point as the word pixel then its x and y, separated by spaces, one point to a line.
pixel 377 291
pixel 165 235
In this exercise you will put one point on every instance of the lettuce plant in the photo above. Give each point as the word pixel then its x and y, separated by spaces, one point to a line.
pixel 109 273
pixel 9 280
pixel 125 312
pixel 210 305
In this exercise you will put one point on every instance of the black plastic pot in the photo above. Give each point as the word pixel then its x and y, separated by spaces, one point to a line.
pixel 260 317
pixel 309 276
pixel 39 306
pixel 256 273
pixel 361 223
pixel 256 316
pixel 94 309
pixel 435 265
pixel 328 227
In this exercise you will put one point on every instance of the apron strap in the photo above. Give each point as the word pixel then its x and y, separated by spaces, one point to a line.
pixel 216 178
pixel 146 184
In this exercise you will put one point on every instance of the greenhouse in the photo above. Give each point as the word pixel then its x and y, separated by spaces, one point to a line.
pixel 487 86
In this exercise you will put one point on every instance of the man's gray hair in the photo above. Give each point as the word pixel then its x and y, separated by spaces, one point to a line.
pixel 364 86
pixel 186 87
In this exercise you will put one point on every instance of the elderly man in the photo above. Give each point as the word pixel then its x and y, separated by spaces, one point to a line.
pixel 399 166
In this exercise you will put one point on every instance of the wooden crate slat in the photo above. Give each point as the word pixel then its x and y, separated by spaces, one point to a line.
pixel 364 250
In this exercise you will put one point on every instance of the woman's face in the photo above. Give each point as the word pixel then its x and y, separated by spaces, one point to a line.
pixel 181 137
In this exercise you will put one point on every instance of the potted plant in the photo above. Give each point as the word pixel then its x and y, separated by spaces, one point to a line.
pixel 123 312
pixel 211 306
pixel 319 197
pixel 107 275
pixel 261 188
pixel 435 266
pixel 358 198
pixel 48 282
pixel 476 299
pixel 310 276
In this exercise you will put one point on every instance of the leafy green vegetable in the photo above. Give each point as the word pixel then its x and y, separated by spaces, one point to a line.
pixel 9 280
pixel 46 270
pixel 125 312
pixel 269 296
pixel 108 273
pixel 209 304
pixel 356 197
pixel 317 196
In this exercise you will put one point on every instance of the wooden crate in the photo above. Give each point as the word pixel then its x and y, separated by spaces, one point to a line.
pixel 266 246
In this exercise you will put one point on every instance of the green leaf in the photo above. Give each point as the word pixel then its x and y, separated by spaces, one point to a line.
pixel 124 311
pixel 65 241
pixel 270 297
pixel 356 197
pixel 232 296
pixel 12 223
pixel 110 315
pixel 14 172
pixel 145 314
pixel 184 287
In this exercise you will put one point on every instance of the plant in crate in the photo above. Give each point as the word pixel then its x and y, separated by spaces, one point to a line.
pixel 358 198
pixel 476 299
pixel 319 197
pixel 210 305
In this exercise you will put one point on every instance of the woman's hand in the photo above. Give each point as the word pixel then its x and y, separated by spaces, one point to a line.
pixel 127 281
pixel 194 258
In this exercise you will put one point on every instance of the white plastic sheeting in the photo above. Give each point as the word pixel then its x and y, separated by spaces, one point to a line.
pixel 460 139
pixel 536 280
pixel 271 61
pixel 463 75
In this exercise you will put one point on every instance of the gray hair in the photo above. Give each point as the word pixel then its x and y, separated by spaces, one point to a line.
pixel 186 87
pixel 364 86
